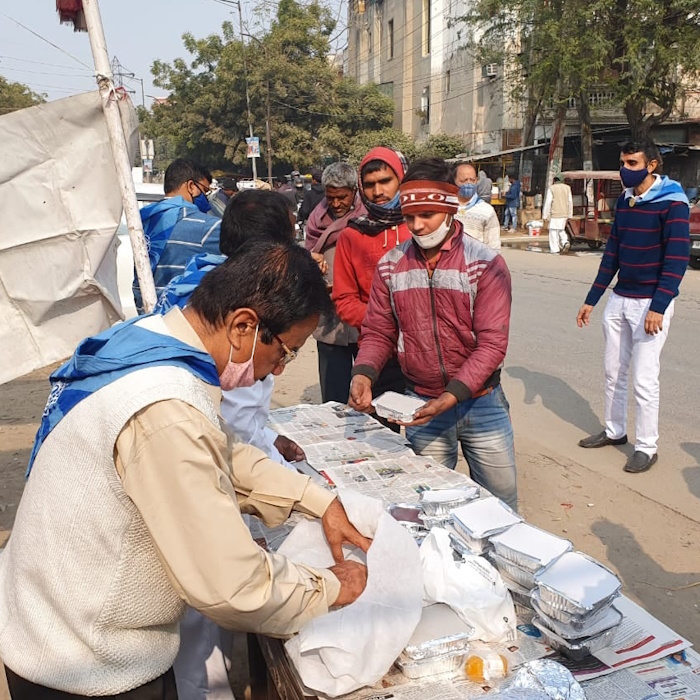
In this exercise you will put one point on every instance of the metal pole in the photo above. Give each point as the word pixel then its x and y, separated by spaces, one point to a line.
pixel 120 152
pixel 247 91
pixel 267 134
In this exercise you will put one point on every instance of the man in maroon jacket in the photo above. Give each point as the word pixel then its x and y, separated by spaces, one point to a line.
pixel 442 301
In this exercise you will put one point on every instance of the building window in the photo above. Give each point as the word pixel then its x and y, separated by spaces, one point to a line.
pixel 391 38
pixel 425 108
pixel 448 81
pixel 426 27
pixel 369 42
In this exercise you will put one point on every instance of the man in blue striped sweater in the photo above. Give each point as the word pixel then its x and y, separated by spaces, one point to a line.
pixel 648 249
pixel 178 227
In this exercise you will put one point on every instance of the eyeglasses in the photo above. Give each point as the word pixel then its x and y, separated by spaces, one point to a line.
pixel 289 355
pixel 206 192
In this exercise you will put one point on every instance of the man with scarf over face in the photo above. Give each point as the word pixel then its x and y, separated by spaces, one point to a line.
pixel 365 241
pixel 648 249
pixel 442 300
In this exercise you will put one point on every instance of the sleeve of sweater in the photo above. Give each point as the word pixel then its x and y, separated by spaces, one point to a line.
pixel 491 324
pixel 346 288
pixel 609 266
pixel 380 330
pixel 676 235
pixel 492 231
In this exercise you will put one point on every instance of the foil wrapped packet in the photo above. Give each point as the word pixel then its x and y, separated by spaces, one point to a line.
pixel 541 680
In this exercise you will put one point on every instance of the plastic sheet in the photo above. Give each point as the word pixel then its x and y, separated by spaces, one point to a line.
pixel 529 547
pixel 577 584
pixel 574 649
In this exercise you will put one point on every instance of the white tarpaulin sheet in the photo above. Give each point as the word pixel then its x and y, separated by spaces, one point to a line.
pixel 60 205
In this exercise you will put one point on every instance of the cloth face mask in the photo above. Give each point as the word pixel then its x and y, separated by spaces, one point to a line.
pixel 239 374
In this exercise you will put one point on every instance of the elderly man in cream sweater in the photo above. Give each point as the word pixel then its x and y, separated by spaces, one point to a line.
pixel 133 507
pixel 478 217
pixel 558 209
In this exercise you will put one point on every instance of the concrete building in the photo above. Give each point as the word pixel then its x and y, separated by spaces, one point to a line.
pixel 409 48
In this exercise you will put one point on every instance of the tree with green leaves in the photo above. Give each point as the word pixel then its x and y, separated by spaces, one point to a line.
pixel 312 112
pixel 14 96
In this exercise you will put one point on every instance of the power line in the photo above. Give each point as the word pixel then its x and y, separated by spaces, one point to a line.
pixel 50 43
pixel 40 72
pixel 40 63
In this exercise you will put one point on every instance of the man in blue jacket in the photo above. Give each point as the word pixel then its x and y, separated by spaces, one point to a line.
pixel 512 204
pixel 648 249
pixel 178 227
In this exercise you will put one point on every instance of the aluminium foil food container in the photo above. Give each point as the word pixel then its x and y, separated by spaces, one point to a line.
pixel 505 567
pixel 409 515
pixel 575 649
pixel 521 599
pixel 484 518
pixel 397 406
pixel 441 501
pixel 580 622
pixel 440 631
pixel 452 663
pixel 523 613
pixel 577 584
pixel 463 542
pixel 528 547
pixel 605 619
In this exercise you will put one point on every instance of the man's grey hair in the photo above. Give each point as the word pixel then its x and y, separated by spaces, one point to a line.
pixel 340 175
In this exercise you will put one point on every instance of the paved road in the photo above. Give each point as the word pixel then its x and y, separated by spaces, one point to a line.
pixel 554 375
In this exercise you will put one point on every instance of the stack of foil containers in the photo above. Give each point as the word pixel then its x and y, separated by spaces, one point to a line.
pixel 519 553
pixel 573 604
pixel 472 526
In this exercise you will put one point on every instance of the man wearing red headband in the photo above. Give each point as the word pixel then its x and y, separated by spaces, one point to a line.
pixel 366 240
pixel 442 300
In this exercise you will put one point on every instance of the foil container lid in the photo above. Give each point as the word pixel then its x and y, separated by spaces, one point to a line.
pixel 485 517
pixel 528 545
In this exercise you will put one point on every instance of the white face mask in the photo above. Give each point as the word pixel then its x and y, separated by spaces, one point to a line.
pixel 434 239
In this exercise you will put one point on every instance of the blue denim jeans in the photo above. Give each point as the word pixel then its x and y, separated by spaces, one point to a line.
pixel 512 214
pixel 483 429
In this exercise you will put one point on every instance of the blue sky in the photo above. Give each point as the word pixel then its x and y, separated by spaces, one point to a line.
pixel 137 32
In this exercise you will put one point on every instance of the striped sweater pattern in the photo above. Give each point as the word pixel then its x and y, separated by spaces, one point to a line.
pixel 648 249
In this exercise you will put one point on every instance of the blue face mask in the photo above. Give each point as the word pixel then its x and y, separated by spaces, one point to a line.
pixel 633 178
pixel 393 203
pixel 467 190
pixel 202 203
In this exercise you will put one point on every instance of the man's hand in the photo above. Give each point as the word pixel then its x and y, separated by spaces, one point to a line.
pixel 361 393
pixel 584 315
pixel 353 579
pixel 653 323
pixel 339 529
pixel 321 262
pixel 433 408
pixel 289 449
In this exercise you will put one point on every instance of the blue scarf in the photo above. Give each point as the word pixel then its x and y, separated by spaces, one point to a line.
pixel 664 189
pixel 106 357
pixel 180 288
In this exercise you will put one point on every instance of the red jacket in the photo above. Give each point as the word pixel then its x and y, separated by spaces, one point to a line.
pixel 356 258
pixel 451 329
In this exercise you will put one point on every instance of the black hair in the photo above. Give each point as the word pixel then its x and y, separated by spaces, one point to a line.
pixel 316 174
pixel 435 169
pixel 374 166
pixel 456 166
pixel 254 214
pixel 281 282
pixel 181 171
pixel 645 146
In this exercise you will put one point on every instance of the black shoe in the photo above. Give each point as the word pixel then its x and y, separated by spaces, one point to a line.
pixel 601 440
pixel 640 462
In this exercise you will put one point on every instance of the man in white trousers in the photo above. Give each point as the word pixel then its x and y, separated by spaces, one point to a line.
pixel 648 249
pixel 558 209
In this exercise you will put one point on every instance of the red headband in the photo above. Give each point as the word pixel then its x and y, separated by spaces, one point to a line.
pixel 428 196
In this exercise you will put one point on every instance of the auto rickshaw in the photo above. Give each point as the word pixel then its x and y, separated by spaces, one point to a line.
pixel 594 193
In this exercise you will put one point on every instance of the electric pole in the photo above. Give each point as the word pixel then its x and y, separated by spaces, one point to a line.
pixel 247 91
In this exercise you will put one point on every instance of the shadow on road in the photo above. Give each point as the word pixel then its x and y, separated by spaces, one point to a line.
pixel 692 474
pixel 646 579
pixel 558 397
